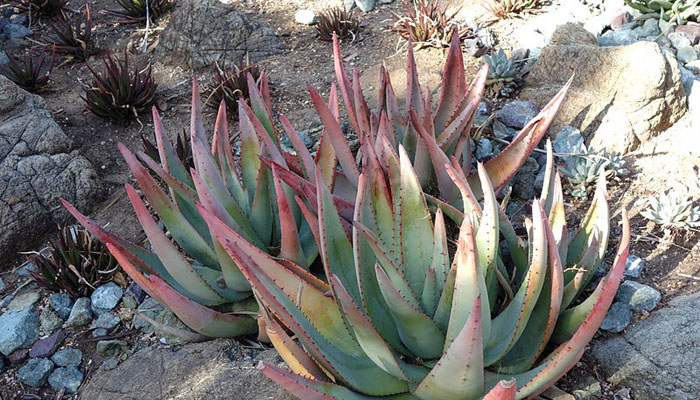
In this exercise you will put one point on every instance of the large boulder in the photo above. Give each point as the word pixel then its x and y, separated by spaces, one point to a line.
pixel 658 357
pixel 36 170
pixel 215 370
pixel 620 96
pixel 202 32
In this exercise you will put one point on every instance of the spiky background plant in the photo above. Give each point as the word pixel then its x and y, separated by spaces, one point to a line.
pixel 230 84
pixel 75 263
pixel 339 21
pixel 501 9
pixel 673 210
pixel 120 92
pixel 42 8
pixel 582 170
pixel 182 149
pixel 137 11
pixel 428 23
pixel 29 72
pixel 501 70
pixel 74 39
pixel 399 318
pixel 677 12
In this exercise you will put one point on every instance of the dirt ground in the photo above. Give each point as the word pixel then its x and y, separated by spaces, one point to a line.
pixel 672 262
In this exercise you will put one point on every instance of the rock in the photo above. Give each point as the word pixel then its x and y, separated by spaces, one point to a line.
pixel 150 308
pixel 68 378
pixel 678 40
pixel 80 314
pixel 2 284
pixel 61 303
pixel 18 356
pixel 18 329
pixel 483 112
pixel 107 296
pixel 650 28
pixel 111 348
pixel 99 332
pixel 17 31
pixel 517 114
pixel 614 114
pixel 484 149
pixel 135 290
pixel 655 358
pixel 4 59
pixel 638 296
pixel 692 32
pixel 305 17
pixel 524 179
pixel 25 269
pixel 365 5
pixel 110 363
pixel 48 345
pixel 49 321
pixel 107 320
pixel 5 301
pixel 201 32
pixel 36 172
pixel 35 372
pixel 588 389
pixel 168 318
pixel 195 371
pixel 129 302
pixel 618 38
pixel 23 301
pixel 620 19
pixel 501 131
pixel 67 357
pixel 349 4
pixel 686 54
pixel 633 266
pixel 2 364
pixel 619 316
pixel 569 140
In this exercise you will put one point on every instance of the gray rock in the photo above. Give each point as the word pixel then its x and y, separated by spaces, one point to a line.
pixel 4 59
pixel 201 32
pixel 483 112
pixel 35 372
pixel 48 345
pixel 107 320
pixel 650 28
pixel 656 357
pixel 129 302
pixel 99 332
pixel 80 314
pixel 111 348
pixel 67 357
pixel 36 171
pixel 135 290
pixel 638 296
pixel 588 389
pixel 618 318
pixel 688 78
pixel 16 31
pixel 218 375
pixel 607 117
pixel 501 131
pixel 61 303
pixel 484 149
pixel 569 140
pixel 618 38
pixel 516 114
pixel 23 301
pixel 686 54
pixel 349 4
pixel 2 284
pixel 305 17
pixel 68 378
pixel 694 67
pixel 110 363
pixel 634 266
pixel 25 269
pixel 679 40
pixel 107 296
pixel 18 329
pixel 49 321
pixel 5 301
pixel 150 308
pixel 524 179
pixel 365 5
pixel 168 318
pixel 386 1
pixel 2 364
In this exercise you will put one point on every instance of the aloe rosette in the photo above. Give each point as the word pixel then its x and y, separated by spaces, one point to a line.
pixel 404 316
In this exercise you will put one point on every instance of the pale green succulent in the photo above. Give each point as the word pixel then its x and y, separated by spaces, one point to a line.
pixel 582 170
pixel 677 12
pixel 501 70
pixel 673 210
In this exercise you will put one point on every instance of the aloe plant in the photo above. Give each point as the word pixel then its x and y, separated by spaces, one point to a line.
pixel 398 318
pixel 677 12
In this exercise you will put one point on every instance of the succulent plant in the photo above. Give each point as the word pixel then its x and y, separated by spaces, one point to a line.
pixel 230 84
pixel 673 210
pixel 75 263
pixel 502 71
pixel 501 9
pixel 137 11
pixel 75 39
pixel 428 23
pixel 181 148
pixel 677 12
pixel 339 21
pixel 582 170
pixel 31 73
pixel 399 318
pixel 118 92
pixel 43 8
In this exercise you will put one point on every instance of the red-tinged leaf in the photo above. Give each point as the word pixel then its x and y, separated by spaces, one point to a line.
pixel 291 247
pixel 293 355
pixel 270 145
pixel 469 201
pixel 345 84
pixel 414 98
pixel 361 109
pixel 311 218
pixel 502 167
pixel 504 390
pixel 122 256
pixel 325 156
pixel 307 162
pixel 453 84
pixel 458 128
pixel 197 122
pixel 340 144
pixel 262 113
pixel 168 159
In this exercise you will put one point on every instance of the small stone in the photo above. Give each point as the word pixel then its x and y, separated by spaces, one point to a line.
pixel 168 318
pixel 107 296
pixel 483 112
pixel 49 321
pixel 111 348
pixel 634 266
pixel 18 356
pixel 80 314
pixel 524 179
pixel 569 141
pixel 107 320
pixel 2 284
pixel 501 131
pixel 618 38
pixel 67 357
pixel 686 54
pixel 16 31
pixel 365 5
pixel 620 19
pixel 48 345
pixel 68 378
pixel 150 308
pixel 135 290
pixel 99 332
pixel 679 40
pixel 110 363
pixel 650 28
pixel 25 269
pixel 35 372
pixel 129 302
pixel 692 32
pixel 517 114
pixel 23 301
pixel 305 17
pixel 638 296
pixel 484 149
pixel 61 303
pixel 694 67
pixel 5 301
pixel 18 329
pixel 619 316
